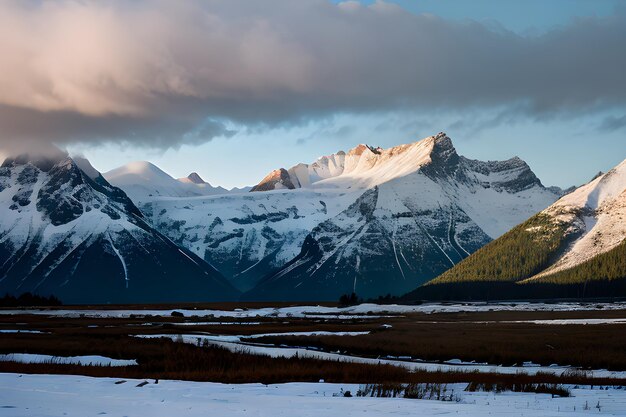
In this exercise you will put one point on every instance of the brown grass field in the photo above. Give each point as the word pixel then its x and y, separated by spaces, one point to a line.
pixel 482 337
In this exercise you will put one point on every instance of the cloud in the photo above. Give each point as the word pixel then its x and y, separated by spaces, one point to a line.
pixel 163 73
pixel 612 123
pixel 328 130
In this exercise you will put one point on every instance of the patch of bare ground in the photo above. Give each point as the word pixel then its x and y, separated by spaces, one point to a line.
pixel 480 336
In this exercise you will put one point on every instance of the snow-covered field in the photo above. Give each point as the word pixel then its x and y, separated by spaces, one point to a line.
pixel 78 396
pixel 21 331
pixel 372 310
pixel 88 360
pixel 246 344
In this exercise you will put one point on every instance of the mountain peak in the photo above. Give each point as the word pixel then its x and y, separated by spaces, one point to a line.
pixel 362 148
pixel 277 179
pixel 143 169
pixel 444 159
pixel 86 242
pixel 442 142
pixel 140 166
pixel 598 175
pixel 86 167
pixel 365 166
pixel 195 178
pixel 441 137
pixel 41 160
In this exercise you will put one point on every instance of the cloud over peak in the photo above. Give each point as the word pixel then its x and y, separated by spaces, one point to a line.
pixel 162 73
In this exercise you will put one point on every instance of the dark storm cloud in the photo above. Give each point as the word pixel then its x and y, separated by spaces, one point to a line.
pixel 163 73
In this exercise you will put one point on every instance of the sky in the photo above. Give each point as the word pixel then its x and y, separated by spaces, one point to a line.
pixel 233 89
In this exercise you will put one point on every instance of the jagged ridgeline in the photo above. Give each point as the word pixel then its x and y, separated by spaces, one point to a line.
pixel 576 247
pixel 406 230
pixel 65 231
pixel 370 220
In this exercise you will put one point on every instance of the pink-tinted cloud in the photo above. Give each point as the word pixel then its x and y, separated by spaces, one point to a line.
pixel 162 73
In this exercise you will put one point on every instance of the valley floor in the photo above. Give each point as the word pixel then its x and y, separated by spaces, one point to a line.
pixel 62 395
pixel 209 359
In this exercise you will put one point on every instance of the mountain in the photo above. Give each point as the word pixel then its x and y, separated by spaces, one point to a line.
pixel 245 235
pixel 64 230
pixel 244 189
pixel 578 242
pixel 362 167
pixel 279 179
pixel 193 178
pixel 373 220
pixel 424 210
pixel 143 180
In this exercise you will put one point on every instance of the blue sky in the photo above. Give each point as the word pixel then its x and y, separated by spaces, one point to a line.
pixel 562 153
pixel 527 16
pixel 305 87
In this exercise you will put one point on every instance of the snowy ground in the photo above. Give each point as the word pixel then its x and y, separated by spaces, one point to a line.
pixel 238 343
pixel 78 396
pixel 373 310
pixel 22 331
pixel 66 360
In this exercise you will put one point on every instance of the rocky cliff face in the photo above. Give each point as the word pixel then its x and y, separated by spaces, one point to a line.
pixel 406 231
pixel 429 208
pixel 71 234
pixel 278 179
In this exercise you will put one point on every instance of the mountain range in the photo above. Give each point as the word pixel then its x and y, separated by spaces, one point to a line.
pixel 370 220
pixel 142 180
pixel 424 209
pixel 575 247
pixel 64 230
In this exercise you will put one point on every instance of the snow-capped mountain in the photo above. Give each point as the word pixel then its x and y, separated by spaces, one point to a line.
pixel 577 246
pixel 595 215
pixel 425 209
pixel 362 167
pixel 143 180
pixel 411 211
pixel 64 230
pixel 365 167
pixel 195 178
pixel 245 235
pixel 279 179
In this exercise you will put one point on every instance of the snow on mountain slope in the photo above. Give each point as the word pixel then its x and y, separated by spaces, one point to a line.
pixel 65 233
pixel 143 180
pixel 364 167
pixel 278 179
pixel 596 214
pixel 205 187
pixel 431 208
pixel 411 228
pixel 245 235
pixel 86 167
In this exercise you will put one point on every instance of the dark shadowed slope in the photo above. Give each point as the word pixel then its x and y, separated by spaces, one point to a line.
pixel 67 232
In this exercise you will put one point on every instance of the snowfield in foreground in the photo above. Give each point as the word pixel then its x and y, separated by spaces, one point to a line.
pixel 65 395
pixel 90 360
pixel 372 310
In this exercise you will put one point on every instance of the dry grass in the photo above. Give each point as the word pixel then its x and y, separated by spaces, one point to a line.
pixel 160 358
pixel 165 359
pixel 467 338
pixel 435 337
